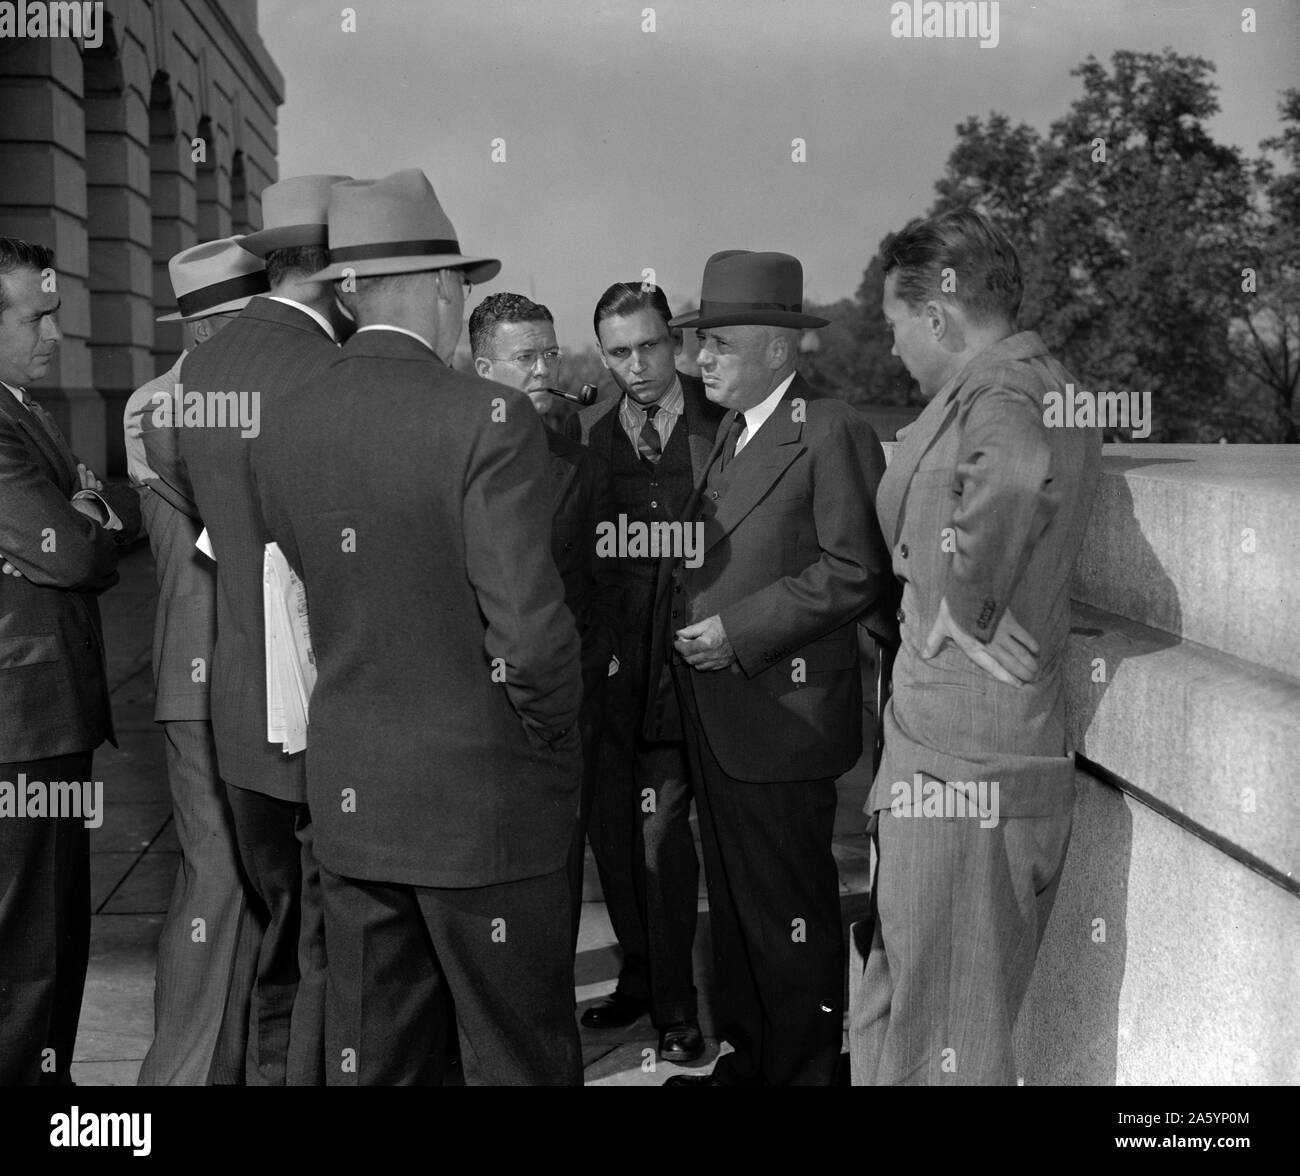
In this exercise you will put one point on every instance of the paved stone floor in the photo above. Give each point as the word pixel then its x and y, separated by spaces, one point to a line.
pixel 134 858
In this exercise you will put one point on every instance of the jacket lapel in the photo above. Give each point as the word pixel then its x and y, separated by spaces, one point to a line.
pixel 699 439
pixel 61 461
pixel 758 466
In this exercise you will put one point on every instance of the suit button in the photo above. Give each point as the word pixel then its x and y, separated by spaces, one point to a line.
pixel 677 612
pixel 89 644
pixel 901 617
pixel 654 505
pixel 677 587
pixel 903 550
pixel 713 494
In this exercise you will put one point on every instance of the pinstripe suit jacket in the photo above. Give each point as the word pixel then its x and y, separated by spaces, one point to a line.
pixel 986 505
pixel 267 350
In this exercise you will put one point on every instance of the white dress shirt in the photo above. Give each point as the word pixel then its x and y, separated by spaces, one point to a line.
pixel 399 330
pixel 325 324
pixel 756 417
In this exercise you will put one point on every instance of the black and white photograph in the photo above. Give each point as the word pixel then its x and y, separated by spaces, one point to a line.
pixel 583 542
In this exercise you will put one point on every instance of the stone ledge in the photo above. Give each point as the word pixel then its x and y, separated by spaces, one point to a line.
pixel 1196 729
pixel 1200 541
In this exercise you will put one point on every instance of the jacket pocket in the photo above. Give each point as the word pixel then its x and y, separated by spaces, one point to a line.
pixel 27 651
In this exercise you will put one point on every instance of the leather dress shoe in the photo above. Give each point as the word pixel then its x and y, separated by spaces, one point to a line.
pixel 615 1012
pixel 680 1043
pixel 692 1080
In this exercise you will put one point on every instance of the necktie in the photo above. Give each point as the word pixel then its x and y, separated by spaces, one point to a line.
pixel 648 444
pixel 733 435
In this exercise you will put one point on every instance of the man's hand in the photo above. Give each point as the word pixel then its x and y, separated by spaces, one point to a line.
pixel 7 568
pixel 1011 657
pixel 87 477
pixel 91 508
pixel 704 645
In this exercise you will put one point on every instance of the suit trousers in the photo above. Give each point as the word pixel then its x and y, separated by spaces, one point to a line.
pixel 44 931
pixel 774 917
pixel 589 725
pixel 959 913
pixel 642 841
pixel 286 1021
pixel 203 981
pixel 401 955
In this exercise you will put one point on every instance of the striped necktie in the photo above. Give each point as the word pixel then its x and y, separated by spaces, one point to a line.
pixel 648 443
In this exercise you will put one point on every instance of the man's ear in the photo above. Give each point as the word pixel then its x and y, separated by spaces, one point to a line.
pixel 936 318
pixel 678 340
pixel 604 359
pixel 482 365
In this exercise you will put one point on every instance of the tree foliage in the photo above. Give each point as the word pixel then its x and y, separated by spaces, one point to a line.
pixel 1138 235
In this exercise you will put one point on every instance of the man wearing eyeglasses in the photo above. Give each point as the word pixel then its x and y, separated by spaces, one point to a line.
pixel 512 340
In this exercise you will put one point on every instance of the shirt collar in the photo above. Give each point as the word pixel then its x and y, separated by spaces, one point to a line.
pixel 399 330
pixel 672 402
pixel 325 324
pixel 18 392
pixel 757 416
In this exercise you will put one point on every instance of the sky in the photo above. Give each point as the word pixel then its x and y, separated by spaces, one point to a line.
pixel 628 149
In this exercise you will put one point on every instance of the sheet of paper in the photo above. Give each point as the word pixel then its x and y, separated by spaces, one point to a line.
pixel 290 663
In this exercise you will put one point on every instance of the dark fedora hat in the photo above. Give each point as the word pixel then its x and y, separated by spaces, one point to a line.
pixel 742 288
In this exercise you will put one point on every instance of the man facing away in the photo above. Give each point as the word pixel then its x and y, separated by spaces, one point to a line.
pixel 761 636
pixel 209 940
pixel 278 340
pixel 443 758
pixel 512 340
pixel 60 530
pixel 655 439
pixel 984 508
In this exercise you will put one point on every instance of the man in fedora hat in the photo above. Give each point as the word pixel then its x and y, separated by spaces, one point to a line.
pixel 277 341
pixel 202 984
pixel 761 638
pixel 60 530
pixel 444 758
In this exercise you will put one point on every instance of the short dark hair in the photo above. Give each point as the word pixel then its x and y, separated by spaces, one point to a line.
pixel 985 267
pixel 16 255
pixel 502 308
pixel 625 298
pixel 295 261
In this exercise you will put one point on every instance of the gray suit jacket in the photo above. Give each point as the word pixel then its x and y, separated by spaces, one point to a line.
pixel 986 505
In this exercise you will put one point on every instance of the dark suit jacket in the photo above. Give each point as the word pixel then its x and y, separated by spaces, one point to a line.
pixel 792 556
pixel 185 621
pixel 267 350
pixel 53 688
pixel 980 466
pixel 580 489
pixel 460 778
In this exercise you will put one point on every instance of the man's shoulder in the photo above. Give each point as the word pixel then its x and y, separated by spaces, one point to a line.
pixel 698 405
pixel 591 418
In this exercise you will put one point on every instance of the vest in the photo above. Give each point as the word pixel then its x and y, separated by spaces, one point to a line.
pixel 648 493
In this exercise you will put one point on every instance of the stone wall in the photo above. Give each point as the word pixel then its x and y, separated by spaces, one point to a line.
pixel 1173 953
pixel 98 160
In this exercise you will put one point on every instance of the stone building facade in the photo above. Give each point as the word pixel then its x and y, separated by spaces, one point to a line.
pixel 117 156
